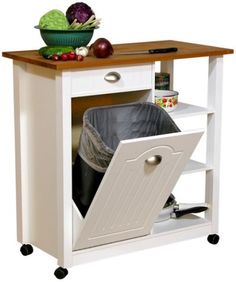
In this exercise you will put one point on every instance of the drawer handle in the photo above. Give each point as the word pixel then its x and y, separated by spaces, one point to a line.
pixel 155 160
pixel 112 77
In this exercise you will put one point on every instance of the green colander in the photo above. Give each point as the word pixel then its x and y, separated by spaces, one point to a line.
pixel 74 38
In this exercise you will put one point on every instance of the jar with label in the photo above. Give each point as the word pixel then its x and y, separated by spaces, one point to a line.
pixel 162 81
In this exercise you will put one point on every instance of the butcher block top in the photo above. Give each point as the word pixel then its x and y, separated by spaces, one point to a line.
pixel 185 50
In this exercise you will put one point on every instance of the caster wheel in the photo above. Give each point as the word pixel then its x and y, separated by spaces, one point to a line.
pixel 213 239
pixel 26 249
pixel 60 272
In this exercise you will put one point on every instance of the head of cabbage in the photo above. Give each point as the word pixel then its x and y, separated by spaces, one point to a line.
pixel 54 19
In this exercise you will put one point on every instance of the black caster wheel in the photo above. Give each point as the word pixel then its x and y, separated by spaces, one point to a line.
pixel 26 249
pixel 213 239
pixel 60 272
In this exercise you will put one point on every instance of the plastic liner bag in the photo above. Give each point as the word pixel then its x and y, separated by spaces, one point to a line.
pixel 103 129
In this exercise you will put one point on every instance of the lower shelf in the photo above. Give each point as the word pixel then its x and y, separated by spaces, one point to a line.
pixel 173 230
pixel 173 225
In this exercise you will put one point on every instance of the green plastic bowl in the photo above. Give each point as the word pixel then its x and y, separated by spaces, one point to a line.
pixel 74 38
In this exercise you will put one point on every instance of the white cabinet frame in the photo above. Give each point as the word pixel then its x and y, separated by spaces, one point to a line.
pixel 56 116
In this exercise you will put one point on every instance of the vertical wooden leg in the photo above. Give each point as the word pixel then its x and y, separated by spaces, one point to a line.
pixel 64 169
pixel 17 69
pixel 214 138
pixel 21 155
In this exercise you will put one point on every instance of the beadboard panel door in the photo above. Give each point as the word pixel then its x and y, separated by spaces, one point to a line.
pixel 138 181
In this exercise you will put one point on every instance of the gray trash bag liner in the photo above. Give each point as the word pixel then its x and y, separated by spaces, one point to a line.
pixel 103 129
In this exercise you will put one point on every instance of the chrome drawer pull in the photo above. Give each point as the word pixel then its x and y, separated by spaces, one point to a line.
pixel 112 77
pixel 155 160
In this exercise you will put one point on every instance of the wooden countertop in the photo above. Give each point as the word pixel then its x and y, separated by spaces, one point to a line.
pixel 185 50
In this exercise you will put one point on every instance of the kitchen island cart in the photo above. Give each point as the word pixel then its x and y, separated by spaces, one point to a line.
pixel 50 99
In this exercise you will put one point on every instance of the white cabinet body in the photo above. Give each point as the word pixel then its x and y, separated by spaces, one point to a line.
pixel 46 214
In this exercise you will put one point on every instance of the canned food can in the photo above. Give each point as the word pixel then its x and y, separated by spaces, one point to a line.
pixel 166 99
pixel 162 81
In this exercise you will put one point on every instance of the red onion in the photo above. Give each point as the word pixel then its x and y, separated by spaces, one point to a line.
pixel 101 48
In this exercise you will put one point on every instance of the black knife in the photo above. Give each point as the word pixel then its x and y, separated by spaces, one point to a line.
pixel 150 51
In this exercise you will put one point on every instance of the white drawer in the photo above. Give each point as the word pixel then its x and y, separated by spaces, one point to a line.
pixel 111 80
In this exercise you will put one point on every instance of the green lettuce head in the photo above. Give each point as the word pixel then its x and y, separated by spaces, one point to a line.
pixel 54 19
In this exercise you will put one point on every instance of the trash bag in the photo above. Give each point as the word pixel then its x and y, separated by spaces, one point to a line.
pixel 103 129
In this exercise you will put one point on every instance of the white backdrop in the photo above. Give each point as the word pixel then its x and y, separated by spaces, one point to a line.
pixel 209 22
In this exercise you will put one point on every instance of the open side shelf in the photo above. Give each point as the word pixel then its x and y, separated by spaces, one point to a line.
pixel 195 166
pixel 187 110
